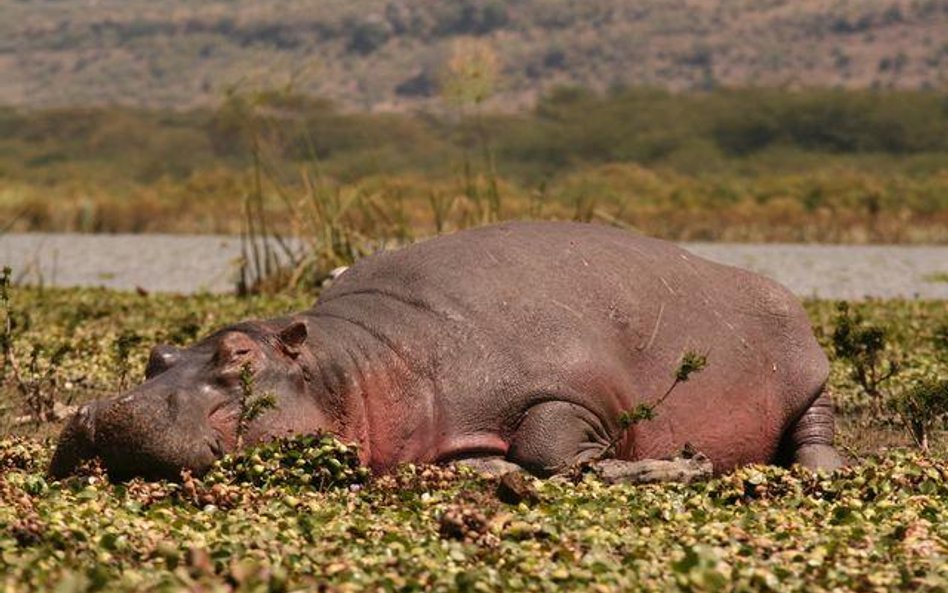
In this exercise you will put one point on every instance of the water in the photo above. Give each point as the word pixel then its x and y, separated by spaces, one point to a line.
pixel 188 264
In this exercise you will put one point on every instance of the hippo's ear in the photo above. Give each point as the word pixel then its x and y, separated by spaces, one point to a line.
pixel 236 349
pixel 162 358
pixel 293 336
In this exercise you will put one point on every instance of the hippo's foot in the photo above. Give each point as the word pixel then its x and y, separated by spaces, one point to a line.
pixel 651 471
pixel 819 457
pixel 489 466
pixel 809 441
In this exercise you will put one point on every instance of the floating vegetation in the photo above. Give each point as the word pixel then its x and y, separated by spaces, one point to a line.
pixel 302 514
pixel 877 526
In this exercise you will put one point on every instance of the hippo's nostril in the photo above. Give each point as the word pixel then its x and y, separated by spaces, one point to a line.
pixel 216 446
pixel 86 418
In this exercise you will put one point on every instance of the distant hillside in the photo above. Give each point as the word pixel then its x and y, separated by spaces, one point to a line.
pixel 387 54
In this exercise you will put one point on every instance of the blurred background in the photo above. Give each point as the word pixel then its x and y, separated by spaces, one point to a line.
pixel 160 148
pixel 347 124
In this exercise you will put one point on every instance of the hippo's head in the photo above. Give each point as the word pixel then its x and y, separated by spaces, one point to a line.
pixel 187 412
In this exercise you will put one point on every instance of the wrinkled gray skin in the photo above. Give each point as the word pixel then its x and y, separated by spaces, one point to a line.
pixel 521 342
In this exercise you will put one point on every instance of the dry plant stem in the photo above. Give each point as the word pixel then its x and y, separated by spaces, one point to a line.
pixel 41 406
pixel 916 430
pixel 26 389
pixel 652 471
pixel 11 361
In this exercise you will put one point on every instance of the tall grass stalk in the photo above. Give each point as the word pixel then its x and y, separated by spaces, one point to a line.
pixel 320 218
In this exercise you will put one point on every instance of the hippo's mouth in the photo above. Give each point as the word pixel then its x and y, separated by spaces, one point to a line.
pixel 90 435
pixel 224 422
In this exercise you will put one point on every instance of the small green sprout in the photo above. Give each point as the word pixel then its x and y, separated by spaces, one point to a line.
pixel 691 363
pixel 921 406
pixel 641 412
pixel 5 284
pixel 252 406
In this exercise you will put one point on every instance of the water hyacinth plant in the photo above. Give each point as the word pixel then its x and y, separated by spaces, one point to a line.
pixel 875 526
pixel 302 514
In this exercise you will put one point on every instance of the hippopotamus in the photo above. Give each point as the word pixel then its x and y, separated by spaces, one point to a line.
pixel 522 342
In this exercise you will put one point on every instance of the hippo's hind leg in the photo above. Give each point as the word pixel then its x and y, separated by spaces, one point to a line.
pixel 554 435
pixel 809 440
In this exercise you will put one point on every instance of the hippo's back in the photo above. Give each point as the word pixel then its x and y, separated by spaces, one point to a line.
pixel 505 271
pixel 505 316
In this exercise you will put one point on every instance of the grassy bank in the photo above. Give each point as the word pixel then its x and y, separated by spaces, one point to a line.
pixel 879 526
pixel 749 165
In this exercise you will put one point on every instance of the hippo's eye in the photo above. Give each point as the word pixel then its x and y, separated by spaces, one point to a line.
pixel 235 349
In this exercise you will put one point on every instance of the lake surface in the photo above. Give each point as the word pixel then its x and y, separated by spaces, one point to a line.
pixel 187 264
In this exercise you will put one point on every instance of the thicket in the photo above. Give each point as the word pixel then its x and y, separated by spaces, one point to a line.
pixel 569 128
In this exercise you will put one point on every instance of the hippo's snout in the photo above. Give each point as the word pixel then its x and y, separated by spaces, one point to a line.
pixel 185 415
pixel 76 443
pixel 138 434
